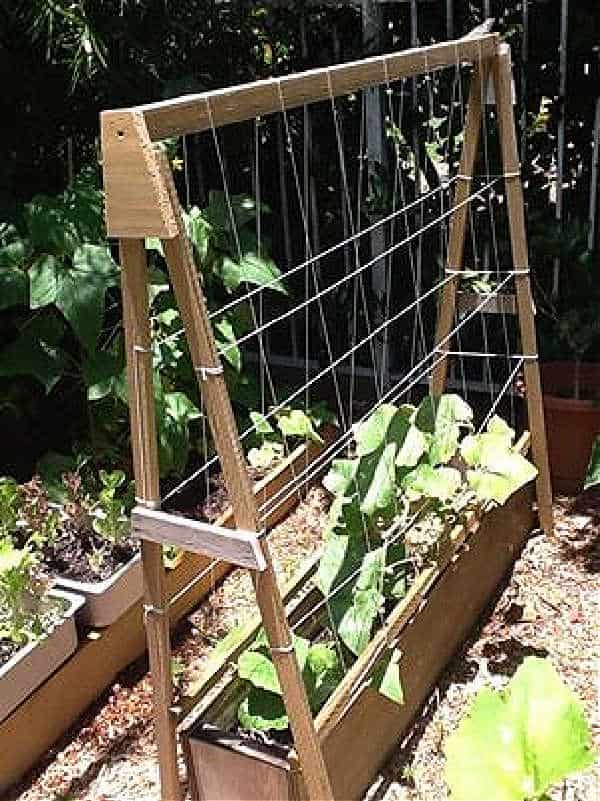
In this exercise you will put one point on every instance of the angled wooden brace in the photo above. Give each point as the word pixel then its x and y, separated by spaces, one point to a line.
pixel 502 77
pixel 142 201
pixel 458 223
pixel 499 66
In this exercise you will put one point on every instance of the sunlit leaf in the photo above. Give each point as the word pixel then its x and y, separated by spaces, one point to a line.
pixel 434 482
pixel 514 745
pixel 386 678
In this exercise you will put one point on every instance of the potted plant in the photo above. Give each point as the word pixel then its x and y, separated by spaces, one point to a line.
pixel 383 609
pixel 83 543
pixel 569 323
pixel 37 625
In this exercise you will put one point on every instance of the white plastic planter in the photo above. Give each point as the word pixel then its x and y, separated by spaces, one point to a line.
pixel 34 663
pixel 106 601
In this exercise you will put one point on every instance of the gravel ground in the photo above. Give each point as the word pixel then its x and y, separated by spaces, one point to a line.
pixel 550 607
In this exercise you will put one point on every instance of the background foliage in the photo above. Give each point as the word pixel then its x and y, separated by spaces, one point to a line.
pixel 63 62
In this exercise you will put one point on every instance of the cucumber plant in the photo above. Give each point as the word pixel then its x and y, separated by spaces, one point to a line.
pixel 408 469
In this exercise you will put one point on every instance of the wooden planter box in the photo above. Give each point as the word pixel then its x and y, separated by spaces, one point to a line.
pixel 32 727
pixel 33 663
pixel 500 304
pixel 360 728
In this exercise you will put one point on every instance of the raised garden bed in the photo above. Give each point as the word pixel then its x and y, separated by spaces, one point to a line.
pixel 426 627
pixel 503 303
pixel 31 665
pixel 32 727
pixel 422 526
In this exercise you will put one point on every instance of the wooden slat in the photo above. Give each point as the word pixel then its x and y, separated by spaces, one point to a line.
pixel 503 303
pixel 189 114
pixel 502 76
pixel 236 546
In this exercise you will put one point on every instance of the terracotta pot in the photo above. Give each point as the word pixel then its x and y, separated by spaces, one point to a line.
pixel 571 425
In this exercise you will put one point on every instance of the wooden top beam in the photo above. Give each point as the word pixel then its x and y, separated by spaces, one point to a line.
pixel 198 112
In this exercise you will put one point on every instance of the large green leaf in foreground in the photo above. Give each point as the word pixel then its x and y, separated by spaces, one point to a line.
pixel 514 745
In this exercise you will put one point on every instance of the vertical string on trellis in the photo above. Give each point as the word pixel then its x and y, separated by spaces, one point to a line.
pixel 353 228
pixel 560 138
pixel 310 266
pixel 418 324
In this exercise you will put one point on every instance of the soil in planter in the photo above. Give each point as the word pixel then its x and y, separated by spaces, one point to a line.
pixel 72 552
pixel 75 551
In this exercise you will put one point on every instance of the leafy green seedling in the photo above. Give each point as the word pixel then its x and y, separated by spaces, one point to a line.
pixel 110 520
pixel 263 708
pixel 9 506
pixel 515 744
pixel 26 612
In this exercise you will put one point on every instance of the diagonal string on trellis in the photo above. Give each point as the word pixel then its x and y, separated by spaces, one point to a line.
pixel 331 368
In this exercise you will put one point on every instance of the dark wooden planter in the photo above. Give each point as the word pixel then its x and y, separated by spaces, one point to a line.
pixel 360 728
pixel 501 304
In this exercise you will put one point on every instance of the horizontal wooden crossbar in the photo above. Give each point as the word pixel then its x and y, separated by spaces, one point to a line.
pixel 198 112
pixel 241 548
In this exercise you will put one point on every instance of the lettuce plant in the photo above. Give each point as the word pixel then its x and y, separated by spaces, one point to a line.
pixel 514 745
pixel 26 611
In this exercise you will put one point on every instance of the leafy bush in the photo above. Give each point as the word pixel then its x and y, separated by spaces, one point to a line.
pixel 570 325
pixel 516 744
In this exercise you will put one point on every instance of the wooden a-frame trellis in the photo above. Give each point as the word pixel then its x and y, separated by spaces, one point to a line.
pixel 141 202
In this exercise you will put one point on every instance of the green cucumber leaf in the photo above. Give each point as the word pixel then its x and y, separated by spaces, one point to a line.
pixel 386 678
pixel 259 670
pixel 433 482
pixel 262 711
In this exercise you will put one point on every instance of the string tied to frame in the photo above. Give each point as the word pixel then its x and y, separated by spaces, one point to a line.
pixel 206 372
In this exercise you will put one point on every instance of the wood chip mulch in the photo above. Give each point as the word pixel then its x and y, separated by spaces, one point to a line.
pixel 549 607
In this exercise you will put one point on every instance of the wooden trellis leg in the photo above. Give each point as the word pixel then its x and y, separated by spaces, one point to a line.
pixel 502 76
pixel 458 226
pixel 145 462
pixel 203 350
